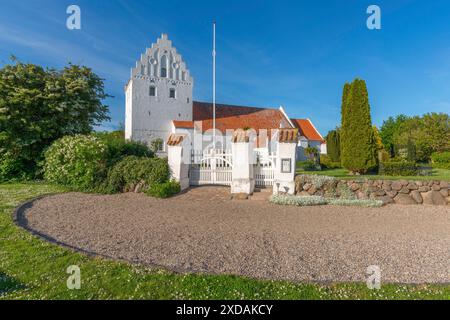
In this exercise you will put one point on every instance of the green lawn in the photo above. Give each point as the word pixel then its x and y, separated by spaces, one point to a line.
pixel 31 268
pixel 437 174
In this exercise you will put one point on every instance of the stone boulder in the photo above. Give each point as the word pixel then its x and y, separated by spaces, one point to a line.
pixel 444 185
pixel 424 189
pixel 392 193
pixel 412 186
pixel 404 190
pixel 307 186
pixel 444 192
pixel 436 187
pixel 434 198
pixel 416 196
pixel 402 198
pixel 396 185
pixel 385 199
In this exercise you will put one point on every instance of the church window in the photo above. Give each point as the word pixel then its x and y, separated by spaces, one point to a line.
pixel 187 100
pixel 172 94
pixel 183 76
pixel 152 91
pixel 163 67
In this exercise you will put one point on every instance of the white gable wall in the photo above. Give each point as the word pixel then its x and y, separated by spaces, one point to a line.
pixel 150 117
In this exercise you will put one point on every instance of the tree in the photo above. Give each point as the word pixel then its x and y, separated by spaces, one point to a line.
pixel 429 133
pixel 334 145
pixel 358 148
pixel 389 129
pixel 39 106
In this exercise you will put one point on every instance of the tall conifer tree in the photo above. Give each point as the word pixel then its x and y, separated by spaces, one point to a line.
pixel 358 148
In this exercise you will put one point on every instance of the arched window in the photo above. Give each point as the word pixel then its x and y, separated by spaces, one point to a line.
pixel 172 93
pixel 152 91
pixel 163 67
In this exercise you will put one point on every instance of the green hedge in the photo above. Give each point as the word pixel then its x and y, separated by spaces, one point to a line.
pixel 164 190
pixel 308 165
pixel 401 168
pixel 133 171
pixel 327 163
pixel 76 161
pixel 86 162
pixel 441 160
pixel 119 148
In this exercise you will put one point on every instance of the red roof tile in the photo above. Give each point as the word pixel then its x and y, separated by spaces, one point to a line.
pixel 307 129
pixel 236 117
pixel 175 139
pixel 288 135
pixel 183 124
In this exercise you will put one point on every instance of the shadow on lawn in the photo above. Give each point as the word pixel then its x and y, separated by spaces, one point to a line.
pixel 9 284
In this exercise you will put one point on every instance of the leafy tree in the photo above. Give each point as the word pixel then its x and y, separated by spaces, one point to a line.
pixel 389 129
pixel 411 151
pixel 334 145
pixel 429 133
pixel 358 148
pixel 39 106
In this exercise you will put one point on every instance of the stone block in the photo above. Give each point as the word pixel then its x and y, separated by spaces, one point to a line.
pixel 405 199
pixel 434 198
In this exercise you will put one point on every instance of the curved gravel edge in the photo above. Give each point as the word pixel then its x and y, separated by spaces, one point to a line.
pixel 19 219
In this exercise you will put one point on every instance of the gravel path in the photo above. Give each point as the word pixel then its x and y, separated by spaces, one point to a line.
pixel 204 231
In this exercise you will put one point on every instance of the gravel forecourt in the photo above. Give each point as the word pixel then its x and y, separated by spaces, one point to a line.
pixel 203 230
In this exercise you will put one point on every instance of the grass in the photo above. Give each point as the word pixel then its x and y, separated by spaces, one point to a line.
pixel 436 174
pixel 31 268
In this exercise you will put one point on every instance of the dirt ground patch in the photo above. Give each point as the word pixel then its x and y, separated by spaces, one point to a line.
pixel 203 230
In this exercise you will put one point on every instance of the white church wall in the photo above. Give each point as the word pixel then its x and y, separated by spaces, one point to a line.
pixel 151 117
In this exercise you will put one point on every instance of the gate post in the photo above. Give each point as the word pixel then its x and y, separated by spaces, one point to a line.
pixel 179 153
pixel 243 180
pixel 284 181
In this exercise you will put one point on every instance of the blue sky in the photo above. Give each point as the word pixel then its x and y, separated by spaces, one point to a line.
pixel 297 54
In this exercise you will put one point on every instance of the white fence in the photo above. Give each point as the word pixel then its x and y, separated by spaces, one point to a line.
pixel 215 167
pixel 211 167
pixel 264 168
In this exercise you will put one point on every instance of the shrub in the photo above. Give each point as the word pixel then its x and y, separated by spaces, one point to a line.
pixel 317 201
pixel 133 171
pixel 441 160
pixel 401 168
pixel 326 162
pixel 356 202
pixel 308 165
pixel 75 161
pixel 119 148
pixel 298 201
pixel 334 146
pixel 318 181
pixel 164 190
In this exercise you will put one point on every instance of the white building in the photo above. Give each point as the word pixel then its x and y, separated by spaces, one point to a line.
pixel 159 102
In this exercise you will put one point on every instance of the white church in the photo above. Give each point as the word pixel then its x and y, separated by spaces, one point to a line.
pixel 160 103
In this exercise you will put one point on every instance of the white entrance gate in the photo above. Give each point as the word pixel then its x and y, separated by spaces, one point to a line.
pixel 211 167
pixel 264 169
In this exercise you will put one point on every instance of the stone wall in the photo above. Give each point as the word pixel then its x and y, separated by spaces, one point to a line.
pixel 388 191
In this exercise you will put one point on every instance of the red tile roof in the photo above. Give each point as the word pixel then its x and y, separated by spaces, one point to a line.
pixel 307 129
pixel 175 139
pixel 237 117
pixel 183 124
pixel 288 135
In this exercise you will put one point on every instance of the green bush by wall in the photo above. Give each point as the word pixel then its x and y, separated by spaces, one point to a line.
pixel 132 172
pixel 401 168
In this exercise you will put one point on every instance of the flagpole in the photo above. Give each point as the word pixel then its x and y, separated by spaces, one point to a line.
pixel 214 84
